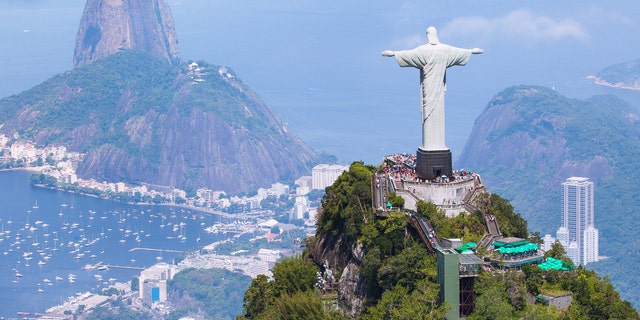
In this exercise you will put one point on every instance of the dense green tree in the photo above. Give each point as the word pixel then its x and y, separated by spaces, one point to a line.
pixel 370 266
pixel 110 292
pixel 402 303
pixel 436 217
pixel 540 312
pixel 346 205
pixel 193 290
pixel 292 275
pixel 492 301
pixel 514 281
pixel 43 179
pixel 533 278
pixel 534 237
pixel 383 238
pixel 557 251
pixel 553 276
pixel 511 224
pixel 256 299
pixel 120 313
pixel 300 305
pixel 135 284
pixel 595 298
pixel 395 200
pixel 290 295
pixel 407 268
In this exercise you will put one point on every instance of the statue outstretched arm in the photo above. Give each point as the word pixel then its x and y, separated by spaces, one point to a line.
pixel 477 51
pixel 388 53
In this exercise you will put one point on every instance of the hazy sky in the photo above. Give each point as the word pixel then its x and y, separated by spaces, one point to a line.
pixel 318 63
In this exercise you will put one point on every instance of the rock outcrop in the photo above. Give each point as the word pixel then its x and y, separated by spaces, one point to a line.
pixel 345 257
pixel 110 26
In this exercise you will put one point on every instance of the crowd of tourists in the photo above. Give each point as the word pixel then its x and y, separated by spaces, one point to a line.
pixel 401 166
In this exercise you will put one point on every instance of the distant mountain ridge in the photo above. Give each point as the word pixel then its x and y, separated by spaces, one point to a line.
pixel 529 139
pixel 624 75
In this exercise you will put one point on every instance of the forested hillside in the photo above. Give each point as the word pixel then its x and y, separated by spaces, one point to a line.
pixel 383 271
pixel 206 293
pixel 140 119
pixel 529 139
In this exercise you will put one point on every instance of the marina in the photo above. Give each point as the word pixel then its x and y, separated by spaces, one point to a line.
pixel 54 244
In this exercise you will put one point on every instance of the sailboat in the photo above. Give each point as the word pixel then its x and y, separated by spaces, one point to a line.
pixel 55 240
pixel 35 242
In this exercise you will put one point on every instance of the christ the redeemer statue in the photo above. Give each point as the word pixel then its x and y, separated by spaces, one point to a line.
pixel 432 59
pixel 433 157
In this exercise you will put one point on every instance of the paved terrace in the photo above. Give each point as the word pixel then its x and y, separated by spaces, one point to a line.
pixel 452 194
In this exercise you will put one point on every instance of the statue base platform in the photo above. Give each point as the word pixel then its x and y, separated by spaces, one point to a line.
pixel 431 164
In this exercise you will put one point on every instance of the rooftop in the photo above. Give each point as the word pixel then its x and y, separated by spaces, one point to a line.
pixel 510 242
pixel 469 259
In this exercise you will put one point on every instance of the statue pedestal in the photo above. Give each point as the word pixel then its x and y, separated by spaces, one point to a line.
pixel 433 163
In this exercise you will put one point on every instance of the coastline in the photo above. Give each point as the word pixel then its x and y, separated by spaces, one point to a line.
pixel 29 169
pixel 175 205
pixel 212 260
pixel 604 83
pixel 46 216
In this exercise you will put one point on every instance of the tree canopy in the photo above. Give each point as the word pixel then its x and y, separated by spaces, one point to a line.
pixel 399 276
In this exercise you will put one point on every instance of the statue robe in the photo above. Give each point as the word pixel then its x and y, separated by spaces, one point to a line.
pixel 433 61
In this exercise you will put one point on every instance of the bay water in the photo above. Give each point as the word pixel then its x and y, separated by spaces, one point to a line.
pixel 48 237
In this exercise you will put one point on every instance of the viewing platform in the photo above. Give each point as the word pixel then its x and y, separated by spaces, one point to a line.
pixel 453 194
pixel 512 253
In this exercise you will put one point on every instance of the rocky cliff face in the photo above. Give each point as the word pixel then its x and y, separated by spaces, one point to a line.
pixel 200 149
pixel 344 257
pixel 110 26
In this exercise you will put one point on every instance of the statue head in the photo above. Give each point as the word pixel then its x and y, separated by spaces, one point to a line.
pixel 432 35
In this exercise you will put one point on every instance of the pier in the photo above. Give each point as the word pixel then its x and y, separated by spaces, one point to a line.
pixel 123 267
pixel 156 250
pixel 101 266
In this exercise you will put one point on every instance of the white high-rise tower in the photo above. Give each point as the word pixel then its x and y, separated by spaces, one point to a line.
pixel 590 245
pixel 578 234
